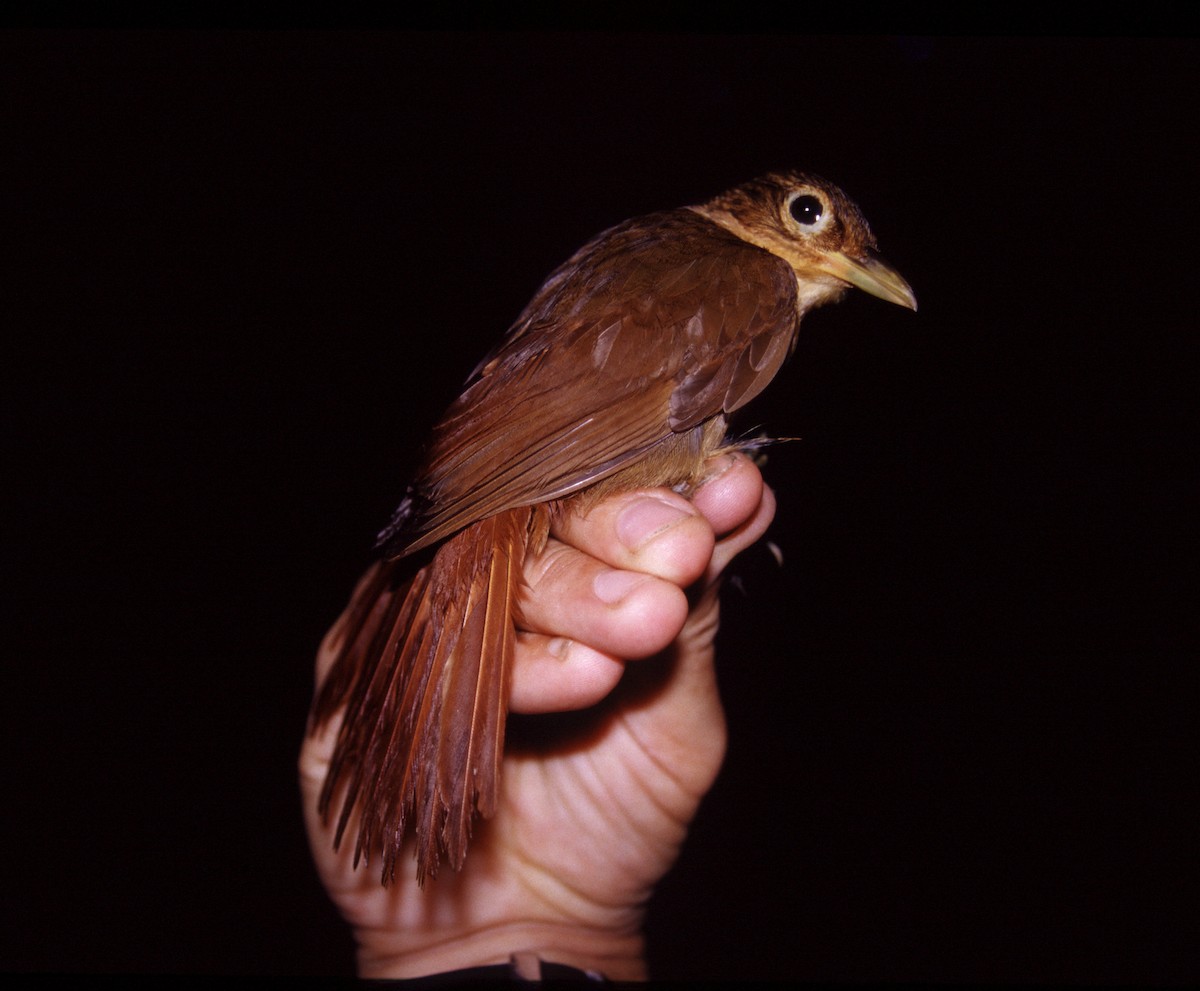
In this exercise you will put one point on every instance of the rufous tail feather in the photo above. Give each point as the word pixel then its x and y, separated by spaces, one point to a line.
pixel 422 673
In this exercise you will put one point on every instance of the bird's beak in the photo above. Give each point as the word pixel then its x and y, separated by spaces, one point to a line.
pixel 870 275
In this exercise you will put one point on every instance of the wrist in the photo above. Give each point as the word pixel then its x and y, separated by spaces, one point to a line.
pixel 618 956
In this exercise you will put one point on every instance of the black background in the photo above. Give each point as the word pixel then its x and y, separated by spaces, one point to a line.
pixel 246 271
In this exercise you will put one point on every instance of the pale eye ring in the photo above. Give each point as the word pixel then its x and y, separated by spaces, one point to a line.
pixel 808 211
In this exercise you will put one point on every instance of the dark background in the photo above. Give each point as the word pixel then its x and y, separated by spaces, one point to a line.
pixel 246 271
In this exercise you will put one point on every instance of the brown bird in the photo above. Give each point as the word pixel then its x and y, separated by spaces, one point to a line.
pixel 619 374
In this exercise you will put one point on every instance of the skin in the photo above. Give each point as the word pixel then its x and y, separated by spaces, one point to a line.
pixel 617 627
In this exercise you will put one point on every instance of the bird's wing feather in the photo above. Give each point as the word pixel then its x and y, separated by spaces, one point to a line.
pixel 648 331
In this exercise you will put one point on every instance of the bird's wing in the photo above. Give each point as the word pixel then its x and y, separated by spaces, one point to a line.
pixel 651 329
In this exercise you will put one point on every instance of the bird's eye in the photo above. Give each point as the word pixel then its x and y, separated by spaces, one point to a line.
pixel 806 210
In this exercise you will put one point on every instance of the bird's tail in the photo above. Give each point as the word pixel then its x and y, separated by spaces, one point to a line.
pixel 422 671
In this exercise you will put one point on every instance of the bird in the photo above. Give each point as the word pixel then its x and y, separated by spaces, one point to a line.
pixel 620 373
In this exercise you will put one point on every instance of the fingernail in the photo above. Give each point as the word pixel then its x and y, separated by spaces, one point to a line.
pixel 558 647
pixel 645 518
pixel 612 586
pixel 716 469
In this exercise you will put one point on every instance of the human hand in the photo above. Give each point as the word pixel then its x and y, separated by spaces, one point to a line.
pixel 618 619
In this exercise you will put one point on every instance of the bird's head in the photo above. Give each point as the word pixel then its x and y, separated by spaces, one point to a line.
pixel 815 228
